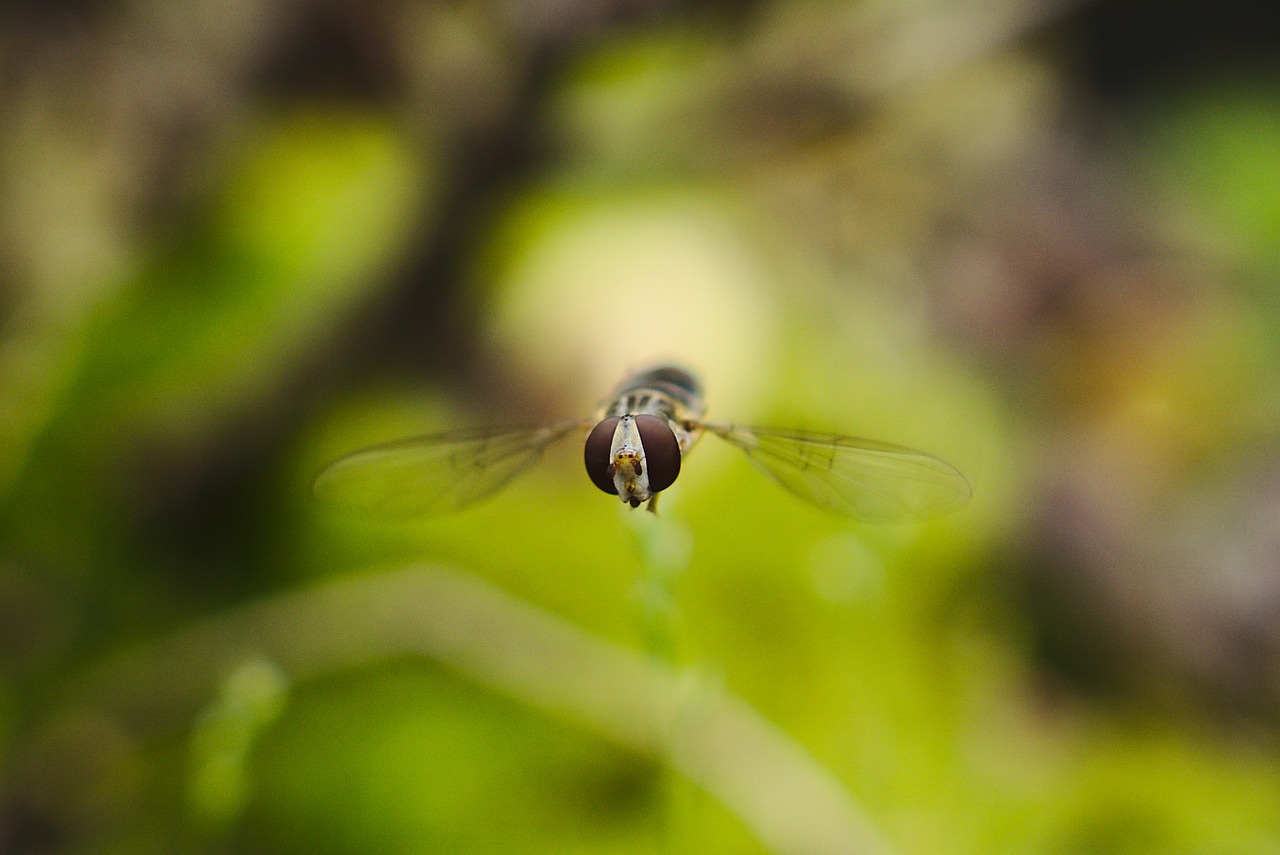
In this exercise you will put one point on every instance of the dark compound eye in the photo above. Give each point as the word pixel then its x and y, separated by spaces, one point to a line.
pixel 598 455
pixel 661 451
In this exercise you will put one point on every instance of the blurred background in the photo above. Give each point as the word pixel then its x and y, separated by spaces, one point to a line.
pixel 1037 238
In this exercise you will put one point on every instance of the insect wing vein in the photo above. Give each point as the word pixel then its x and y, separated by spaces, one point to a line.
pixel 850 475
pixel 428 475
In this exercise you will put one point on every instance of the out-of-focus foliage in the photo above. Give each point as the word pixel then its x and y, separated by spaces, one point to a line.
pixel 244 239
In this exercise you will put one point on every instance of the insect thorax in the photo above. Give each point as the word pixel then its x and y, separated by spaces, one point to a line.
pixel 669 392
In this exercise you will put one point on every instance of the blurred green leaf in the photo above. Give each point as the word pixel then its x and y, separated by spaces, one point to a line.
pixel 309 212
pixel 1213 156
pixel 407 759
pixel 251 697
pixel 310 215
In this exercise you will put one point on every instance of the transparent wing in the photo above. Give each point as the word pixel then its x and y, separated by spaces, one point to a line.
pixel 430 475
pixel 855 477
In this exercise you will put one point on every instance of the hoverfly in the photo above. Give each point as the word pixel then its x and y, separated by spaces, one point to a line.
pixel 634 448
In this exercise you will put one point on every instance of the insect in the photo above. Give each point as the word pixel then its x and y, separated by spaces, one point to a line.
pixel 634 449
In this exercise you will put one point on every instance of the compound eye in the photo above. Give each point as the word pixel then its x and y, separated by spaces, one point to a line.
pixel 661 451
pixel 598 454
